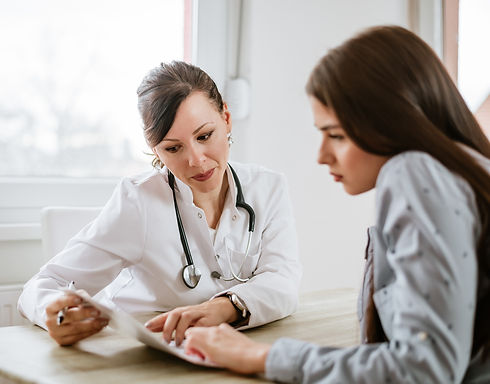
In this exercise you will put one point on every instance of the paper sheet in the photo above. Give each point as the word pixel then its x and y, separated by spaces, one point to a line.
pixel 127 325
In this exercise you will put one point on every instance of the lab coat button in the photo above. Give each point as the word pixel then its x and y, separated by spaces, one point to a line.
pixel 199 214
pixel 234 217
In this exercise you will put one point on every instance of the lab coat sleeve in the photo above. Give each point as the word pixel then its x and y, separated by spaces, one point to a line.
pixel 273 291
pixel 94 257
pixel 428 220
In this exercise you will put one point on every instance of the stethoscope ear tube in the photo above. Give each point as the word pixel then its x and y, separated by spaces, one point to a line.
pixel 240 202
pixel 183 237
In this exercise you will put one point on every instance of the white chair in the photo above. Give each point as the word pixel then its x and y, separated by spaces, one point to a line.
pixel 60 224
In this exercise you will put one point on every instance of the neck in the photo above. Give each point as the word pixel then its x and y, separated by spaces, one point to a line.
pixel 212 203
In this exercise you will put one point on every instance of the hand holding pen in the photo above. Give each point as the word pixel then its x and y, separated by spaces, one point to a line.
pixel 70 319
pixel 61 312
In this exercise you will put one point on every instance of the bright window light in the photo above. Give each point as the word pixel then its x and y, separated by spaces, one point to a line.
pixel 474 55
pixel 69 74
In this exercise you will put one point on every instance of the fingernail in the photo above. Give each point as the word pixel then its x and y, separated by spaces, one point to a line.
pixel 148 324
pixel 78 300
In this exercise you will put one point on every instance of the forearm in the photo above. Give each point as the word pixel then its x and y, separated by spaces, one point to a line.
pixel 410 361
pixel 256 358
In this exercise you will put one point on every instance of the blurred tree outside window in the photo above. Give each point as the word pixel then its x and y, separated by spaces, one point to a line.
pixel 69 74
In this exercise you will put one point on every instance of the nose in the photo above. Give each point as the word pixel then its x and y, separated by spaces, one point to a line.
pixel 325 154
pixel 196 156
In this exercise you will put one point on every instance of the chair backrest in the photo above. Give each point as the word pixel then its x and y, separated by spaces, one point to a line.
pixel 60 224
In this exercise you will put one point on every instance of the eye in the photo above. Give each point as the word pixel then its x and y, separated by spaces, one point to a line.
pixel 336 137
pixel 173 149
pixel 205 136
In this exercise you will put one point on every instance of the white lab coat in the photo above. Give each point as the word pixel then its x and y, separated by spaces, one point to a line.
pixel 131 255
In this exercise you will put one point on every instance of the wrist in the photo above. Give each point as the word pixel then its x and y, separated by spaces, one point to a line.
pixel 229 312
pixel 241 310
pixel 259 357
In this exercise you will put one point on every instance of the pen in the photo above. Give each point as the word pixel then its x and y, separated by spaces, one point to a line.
pixel 61 312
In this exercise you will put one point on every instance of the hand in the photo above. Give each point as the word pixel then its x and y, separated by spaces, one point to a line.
pixel 228 348
pixel 80 320
pixel 213 312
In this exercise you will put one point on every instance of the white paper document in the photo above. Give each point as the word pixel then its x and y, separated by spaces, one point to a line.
pixel 127 325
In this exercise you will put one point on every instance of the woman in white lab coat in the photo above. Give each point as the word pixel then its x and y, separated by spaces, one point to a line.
pixel 136 256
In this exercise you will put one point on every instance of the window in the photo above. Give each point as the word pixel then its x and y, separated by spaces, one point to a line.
pixel 69 75
pixel 465 32
pixel 474 58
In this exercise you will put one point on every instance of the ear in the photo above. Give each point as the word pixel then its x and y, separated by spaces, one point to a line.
pixel 227 117
pixel 157 159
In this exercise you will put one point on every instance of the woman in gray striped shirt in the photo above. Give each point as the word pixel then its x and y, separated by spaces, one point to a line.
pixel 392 119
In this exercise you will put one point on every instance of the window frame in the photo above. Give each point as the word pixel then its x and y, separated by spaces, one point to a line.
pixel 22 198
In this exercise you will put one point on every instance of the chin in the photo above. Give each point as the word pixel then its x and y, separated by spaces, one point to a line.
pixel 352 193
pixel 356 191
pixel 204 187
pixel 208 185
pixel 350 190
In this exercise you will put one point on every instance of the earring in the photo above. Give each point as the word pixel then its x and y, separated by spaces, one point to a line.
pixel 230 138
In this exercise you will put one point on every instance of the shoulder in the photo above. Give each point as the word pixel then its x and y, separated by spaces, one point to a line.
pixel 415 185
pixel 145 178
pixel 146 183
pixel 414 173
pixel 412 164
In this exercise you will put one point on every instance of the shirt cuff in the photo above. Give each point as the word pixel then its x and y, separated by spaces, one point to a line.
pixel 284 361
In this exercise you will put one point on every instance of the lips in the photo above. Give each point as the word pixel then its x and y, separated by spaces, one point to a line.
pixel 204 176
pixel 336 177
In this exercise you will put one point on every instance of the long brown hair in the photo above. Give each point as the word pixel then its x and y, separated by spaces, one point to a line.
pixel 391 94
pixel 162 91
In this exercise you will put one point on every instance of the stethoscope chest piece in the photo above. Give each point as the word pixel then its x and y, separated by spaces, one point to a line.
pixel 191 275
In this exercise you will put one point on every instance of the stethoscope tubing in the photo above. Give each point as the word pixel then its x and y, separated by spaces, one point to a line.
pixel 237 276
pixel 183 237
pixel 190 273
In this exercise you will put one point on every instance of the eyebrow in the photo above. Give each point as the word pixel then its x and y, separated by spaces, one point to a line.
pixel 195 131
pixel 329 126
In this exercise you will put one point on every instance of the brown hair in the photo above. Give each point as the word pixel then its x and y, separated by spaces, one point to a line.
pixel 391 94
pixel 162 91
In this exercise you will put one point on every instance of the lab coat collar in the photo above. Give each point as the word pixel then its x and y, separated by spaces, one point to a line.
pixel 184 191
pixel 187 197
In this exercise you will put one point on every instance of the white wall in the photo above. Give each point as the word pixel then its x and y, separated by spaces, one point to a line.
pixel 282 40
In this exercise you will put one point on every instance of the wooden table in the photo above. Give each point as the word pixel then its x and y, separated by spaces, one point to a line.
pixel 29 355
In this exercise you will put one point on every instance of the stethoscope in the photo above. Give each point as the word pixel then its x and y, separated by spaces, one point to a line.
pixel 190 273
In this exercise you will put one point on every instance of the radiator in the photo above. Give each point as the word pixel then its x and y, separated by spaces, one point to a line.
pixel 9 294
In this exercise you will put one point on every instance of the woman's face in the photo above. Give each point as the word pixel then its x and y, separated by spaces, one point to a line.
pixel 196 147
pixel 356 169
